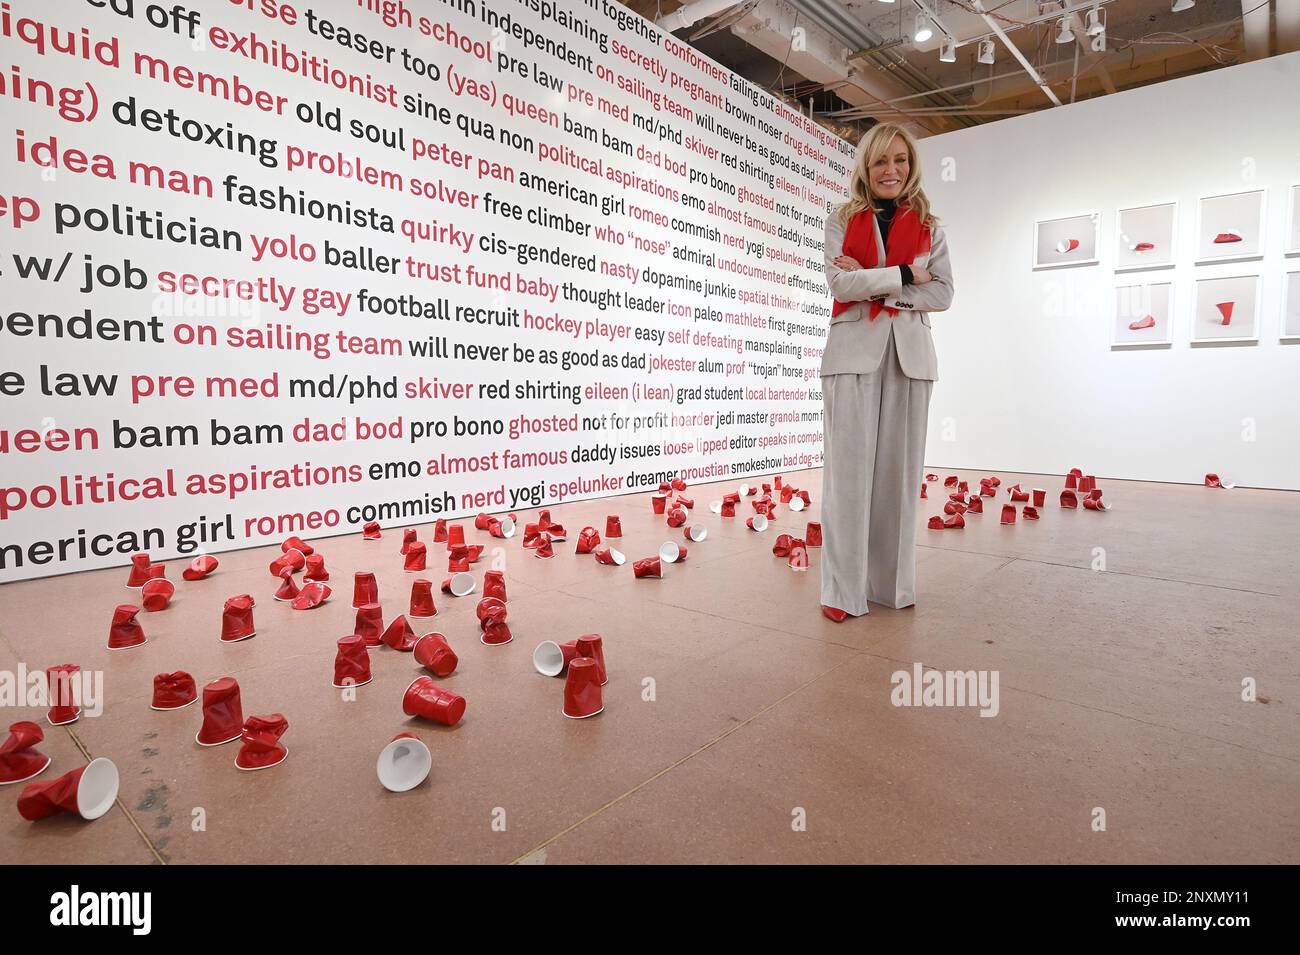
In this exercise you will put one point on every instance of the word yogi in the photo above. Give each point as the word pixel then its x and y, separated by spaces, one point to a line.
pixel 74 907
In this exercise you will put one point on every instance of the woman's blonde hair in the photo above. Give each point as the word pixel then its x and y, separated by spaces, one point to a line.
pixel 871 147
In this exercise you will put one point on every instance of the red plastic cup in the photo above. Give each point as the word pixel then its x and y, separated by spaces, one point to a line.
pixel 364 589
pixel 1008 513
pixel 311 596
pixel 261 747
pixel 352 662
pixel 200 567
pixel 408 538
pixel 613 526
pixel 139 571
pixel 20 760
pixel 1040 497
pixel 582 693
pixel 591 645
pixel 434 653
pixel 426 699
pixel 125 632
pixel 288 589
pixel 237 619
pixel 647 567
pixel 371 531
pixel 440 530
pixel 370 624
pixel 610 556
pixel 422 604
pixel 459 584
pixel 316 571
pixel 223 714
pixel 173 691
pixel 62 683
pixel 415 558
pixel 89 791
pixel 495 633
pixel 156 594
pixel 494 584
pixel 657 502
pixel 455 535
pixel 399 635
pixel 552 659
pixel 1069 499
pixel 404 763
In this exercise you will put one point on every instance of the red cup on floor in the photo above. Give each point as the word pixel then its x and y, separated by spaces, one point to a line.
pixel 1018 495
pixel 552 659
pixel 440 530
pixel 503 528
pixel 813 534
pixel 62 687
pixel 676 517
pixel 1069 499
pixel 422 604
pixel 297 543
pixel 494 584
pixel 156 594
pixel 1008 513
pixel 756 523
pixel 425 698
pixel 125 632
pixel 237 619
pixel 647 567
pixel 408 538
pixel 371 531
pixel 351 662
pixel 89 791
pixel 370 624
pixel 658 502
pixel 223 714
pixel 975 505
pixel 495 633
pixel 1040 496
pixel 288 588
pixel 316 571
pixel 582 693
pixel 591 645
pixel 200 567
pixel 434 653
pixel 173 691
pixel 20 760
pixel 1087 483
pixel 1071 481
pixel 455 535
pixel 139 571
pixel 671 552
pixel 695 532
pixel 364 589
pixel 415 557
pixel 544 549
pixel 1029 512
pixel 490 608
pixel 311 596
pixel 404 763
pixel 1213 480
pixel 399 635
pixel 935 523
pixel 460 584
pixel 781 548
pixel 610 556
pixel 954 520
pixel 613 526
pixel 261 747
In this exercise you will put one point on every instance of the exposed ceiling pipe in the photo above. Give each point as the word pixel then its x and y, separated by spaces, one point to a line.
pixel 692 13
pixel 1015 51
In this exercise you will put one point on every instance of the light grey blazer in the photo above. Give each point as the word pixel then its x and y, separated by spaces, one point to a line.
pixel 856 345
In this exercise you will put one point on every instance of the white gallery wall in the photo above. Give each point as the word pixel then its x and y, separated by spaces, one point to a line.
pixel 1028 378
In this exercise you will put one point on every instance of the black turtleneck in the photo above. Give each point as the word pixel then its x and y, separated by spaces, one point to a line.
pixel 884 218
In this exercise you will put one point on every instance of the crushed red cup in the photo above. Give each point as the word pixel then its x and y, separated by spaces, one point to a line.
pixel 422 604
pixel 370 624
pixel 494 584
pixel 364 589
pixel 813 534
pixel 156 594
pixel 288 588
pixel 935 523
pixel 455 535
pixel 1212 480
pixel 426 699
pixel 975 505
pixel 311 596
pixel 125 632
pixel 200 567
pixel 1008 513
pixel 588 540
pixel 440 530
pixel 173 691
pixel 351 662
pixel 223 714
pixel 610 556
pixel 647 567
pixel 371 531
pixel 954 520
pixel 260 746
pixel 415 558
pixel 582 692
pixel 316 571
pixel 613 526
pixel 496 632
pixel 1069 499
pixel 20 760
pixel 1029 512
pixel 399 635
pixel 544 549
pixel 237 619
pixel 297 543
pixel 408 538
pixel 89 791
pixel 62 689
pixel 139 571
pixel 924 496
pixel 434 653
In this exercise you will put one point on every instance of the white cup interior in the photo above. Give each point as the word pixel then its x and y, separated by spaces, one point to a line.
pixel 98 788
pixel 462 584
pixel 403 764
pixel 507 527
pixel 744 490
pixel 617 556
pixel 548 658
pixel 715 507
pixel 760 522
pixel 698 532
pixel 796 503
pixel 669 551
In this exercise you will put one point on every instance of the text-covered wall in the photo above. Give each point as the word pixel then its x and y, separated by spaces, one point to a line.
pixel 275 268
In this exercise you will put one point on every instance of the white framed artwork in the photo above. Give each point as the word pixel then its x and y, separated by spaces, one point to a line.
pixel 1291 307
pixel 1227 309
pixel 1292 221
pixel 1230 226
pixel 1059 243
pixel 1143 315
pixel 1144 237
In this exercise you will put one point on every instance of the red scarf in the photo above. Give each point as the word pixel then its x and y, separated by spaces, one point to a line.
pixel 908 238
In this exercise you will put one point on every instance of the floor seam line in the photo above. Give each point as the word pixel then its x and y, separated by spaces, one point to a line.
pixel 76 741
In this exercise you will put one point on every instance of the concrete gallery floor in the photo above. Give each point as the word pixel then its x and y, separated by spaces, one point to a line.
pixel 740 725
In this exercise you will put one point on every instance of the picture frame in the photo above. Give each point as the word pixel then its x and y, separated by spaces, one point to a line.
pixel 1136 304
pixel 1290 327
pixel 1292 236
pixel 1067 241
pixel 1223 216
pixel 1154 225
pixel 1240 295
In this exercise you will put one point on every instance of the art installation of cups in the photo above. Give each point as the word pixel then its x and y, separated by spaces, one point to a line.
pixel 695 532
pixel 757 523
pixel 139 571
pixel 610 556
pixel 20 760
pixel 89 791
pixel 311 596
pixel 371 532
pixel 261 747
pixel 813 534
pixel 297 543
pixel 613 526
pixel 494 584
pixel 173 691
pixel 434 654
pixel 415 558
pixel 1008 513
pixel 399 635
pixel 582 693
pixel 199 567
pixel 316 569
pixel 288 589
pixel 351 662
pixel 591 645
pixel 422 604
pixel 223 713
pixel 237 619
pixel 370 624
pixel 408 538
pixel 426 699
pixel 647 568
pixel 404 763
pixel 671 552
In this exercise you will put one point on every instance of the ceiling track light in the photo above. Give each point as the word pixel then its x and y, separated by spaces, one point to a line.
pixel 1096 21
pixel 1180 5
pixel 986 52
pixel 1063 32
pixel 923 31
pixel 948 51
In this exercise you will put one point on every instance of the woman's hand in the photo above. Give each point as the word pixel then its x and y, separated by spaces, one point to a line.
pixel 846 263
pixel 920 275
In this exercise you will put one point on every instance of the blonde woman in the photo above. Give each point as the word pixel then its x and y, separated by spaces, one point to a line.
pixel 886 267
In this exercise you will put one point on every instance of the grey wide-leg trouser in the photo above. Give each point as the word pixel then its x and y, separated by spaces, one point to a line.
pixel 873 450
